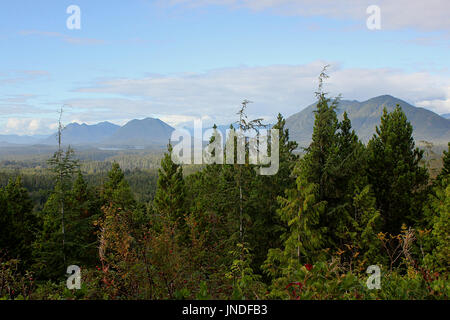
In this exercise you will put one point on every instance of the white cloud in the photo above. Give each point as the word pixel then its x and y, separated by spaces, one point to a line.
pixel 28 126
pixel 395 14
pixel 216 95
pixel 440 106
pixel 285 88
pixel 177 120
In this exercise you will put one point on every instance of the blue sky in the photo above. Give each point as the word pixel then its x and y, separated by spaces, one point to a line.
pixel 180 59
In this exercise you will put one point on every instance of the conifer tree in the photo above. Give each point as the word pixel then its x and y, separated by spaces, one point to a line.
pixel 346 172
pixel 116 190
pixel 316 170
pixel 84 209
pixel 81 208
pixel 437 211
pixel 395 172
pixel 350 167
pixel 170 198
pixel 437 219
pixel 317 155
pixel 364 226
pixel 50 247
pixel 326 209
pixel 267 227
pixel 244 126
pixel 170 193
pixel 303 207
pixel 63 166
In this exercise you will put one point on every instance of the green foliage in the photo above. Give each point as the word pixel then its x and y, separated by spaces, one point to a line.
pixel 246 284
pixel 13 283
pixel 116 190
pixel 328 280
pixel 301 211
pixel 267 227
pixel 366 226
pixel 437 211
pixel 18 224
pixel 170 193
pixel 394 171
pixel 67 235
pixel 446 167
pixel 81 209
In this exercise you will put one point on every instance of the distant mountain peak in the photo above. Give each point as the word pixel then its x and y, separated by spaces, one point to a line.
pixel 84 134
pixel 141 132
pixel 385 98
pixel 365 116
pixel 137 132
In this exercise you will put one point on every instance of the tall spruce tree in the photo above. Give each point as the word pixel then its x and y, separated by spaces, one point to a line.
pixel 331 205
pixel 116 191
pixel 83 210
pixel 63 164
pixel 346 171
pixel 350 161
pixel 395 172
pixel 267 227
pixel 323 145
pixel 51 246
pixel 317 167
pixel 303 207
pixel 170 194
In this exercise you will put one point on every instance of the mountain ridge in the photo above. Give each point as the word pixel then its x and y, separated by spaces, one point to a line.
pixel 143 132
pixel 80 134
pixel 365 116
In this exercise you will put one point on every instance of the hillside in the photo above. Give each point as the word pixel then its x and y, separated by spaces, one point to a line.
pixel 16 139
pixel 365 116
pixel 83 134
pixel 145 132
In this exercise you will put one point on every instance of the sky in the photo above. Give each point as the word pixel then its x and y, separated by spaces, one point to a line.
pixel 179 60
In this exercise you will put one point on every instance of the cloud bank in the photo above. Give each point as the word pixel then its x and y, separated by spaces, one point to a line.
pixel 285 88
pixel 216 95
pixel 430 15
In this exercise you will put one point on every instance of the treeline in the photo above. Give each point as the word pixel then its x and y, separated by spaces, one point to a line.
pixel 40 184
pixel 225 232
pixel 93 160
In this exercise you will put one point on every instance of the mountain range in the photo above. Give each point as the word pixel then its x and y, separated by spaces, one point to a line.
pixel 151 132
pixel 365 116
pixel 135 133
pixel 83 134
pixel 145 132
pixel 8 139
